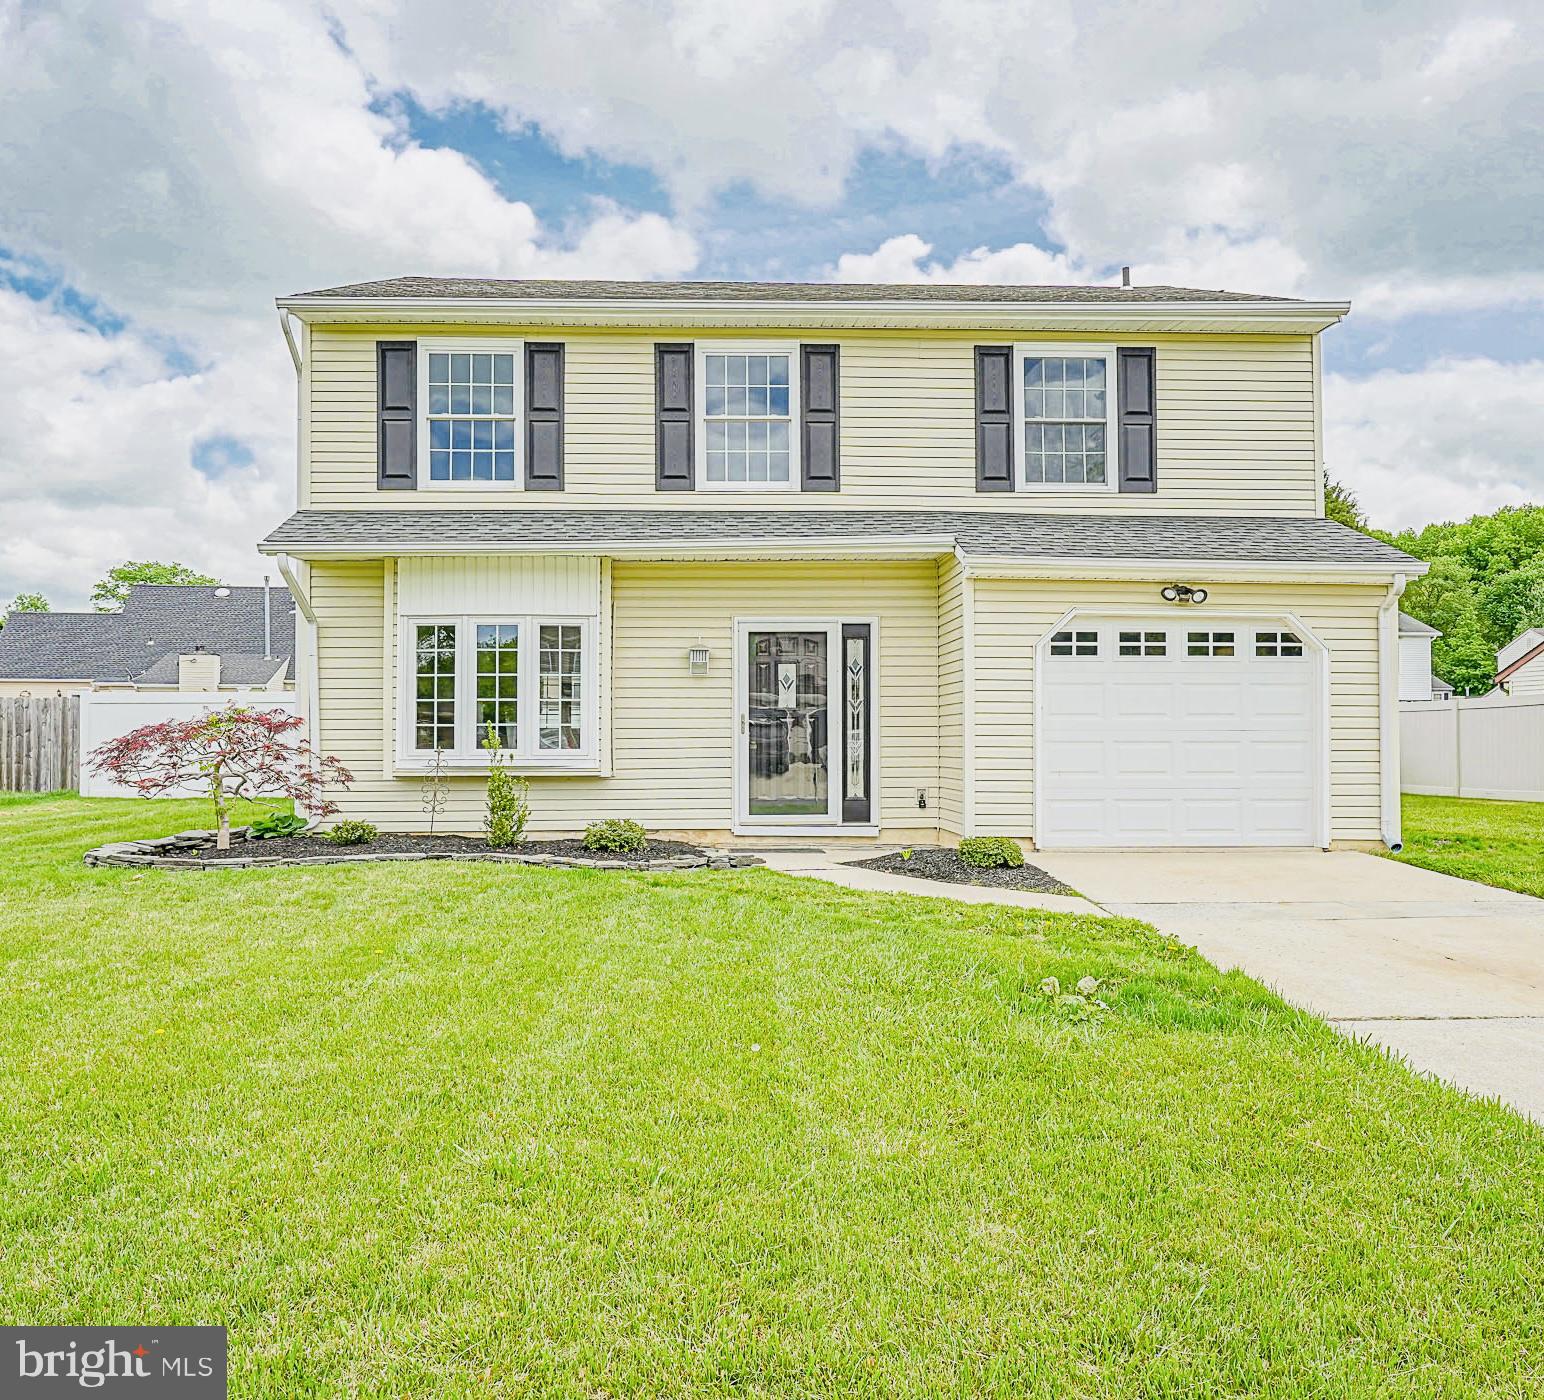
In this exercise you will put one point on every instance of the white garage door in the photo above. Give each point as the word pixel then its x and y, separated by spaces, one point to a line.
pixel 1159 733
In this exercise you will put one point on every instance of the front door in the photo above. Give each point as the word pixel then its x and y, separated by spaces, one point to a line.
pixel 804 732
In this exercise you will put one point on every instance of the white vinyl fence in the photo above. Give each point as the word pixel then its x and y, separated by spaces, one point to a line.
pixel 1473 748
pixel 107 714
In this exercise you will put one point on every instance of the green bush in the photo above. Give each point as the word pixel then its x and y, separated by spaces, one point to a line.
pixel 277 824
pixel 351 833
pixel 615 837
pixel 509 800
pixel 989 852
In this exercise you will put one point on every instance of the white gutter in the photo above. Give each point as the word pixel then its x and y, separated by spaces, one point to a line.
pixel 1304 317
pixel 1388 714
pixel 289 338
pixel 307 682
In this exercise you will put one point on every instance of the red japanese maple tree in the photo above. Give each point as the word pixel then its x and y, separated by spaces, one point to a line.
pixel 232 753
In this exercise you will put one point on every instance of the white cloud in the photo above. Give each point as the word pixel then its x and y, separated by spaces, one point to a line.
pixel 1454 439
pixel 900 259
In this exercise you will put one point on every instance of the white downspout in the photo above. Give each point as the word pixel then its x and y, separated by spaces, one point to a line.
pixel 1388 713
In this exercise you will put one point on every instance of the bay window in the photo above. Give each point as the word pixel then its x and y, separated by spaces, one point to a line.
pixel 521 685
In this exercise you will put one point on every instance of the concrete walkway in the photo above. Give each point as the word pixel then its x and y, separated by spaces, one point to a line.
pixel 1447 973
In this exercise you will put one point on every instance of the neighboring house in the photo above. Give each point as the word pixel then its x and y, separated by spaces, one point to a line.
pixel 166 637
pixel 1520 664
pixel 1417 681
pixel 894 562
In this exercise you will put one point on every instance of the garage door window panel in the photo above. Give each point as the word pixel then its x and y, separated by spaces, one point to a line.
pixel 1143 644
pixel 1278 644
pixel 1075 644
pixel 1211 644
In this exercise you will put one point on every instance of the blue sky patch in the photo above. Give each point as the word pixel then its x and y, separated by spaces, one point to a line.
pixel 219 455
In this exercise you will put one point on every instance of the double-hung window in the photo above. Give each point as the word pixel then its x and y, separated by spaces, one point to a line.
pixel 748 412
pixel 523 686
pixel 1065 400
pixel 469 419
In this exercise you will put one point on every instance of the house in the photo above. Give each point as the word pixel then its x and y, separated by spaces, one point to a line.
pixel 1520 664
pixel 166 637
pixel 894 563
pixel 1417 681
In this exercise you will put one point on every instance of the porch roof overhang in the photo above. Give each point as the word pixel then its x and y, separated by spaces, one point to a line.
pixel 988 543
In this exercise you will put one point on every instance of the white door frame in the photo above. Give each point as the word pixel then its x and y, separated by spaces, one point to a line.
pixel 1175 615
pixel 831 823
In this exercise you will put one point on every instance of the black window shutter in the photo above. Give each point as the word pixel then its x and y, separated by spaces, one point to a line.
pixel 675 407
pixel 396 363
pixel 820 455
pixel 1138 407
pixel 543 417
pixel 994 418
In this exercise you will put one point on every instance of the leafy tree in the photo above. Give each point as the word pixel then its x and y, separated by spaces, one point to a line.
pixel 231 753
pixel 1342 507
pixel 25 602
pixel 113 591
pixel 1485 586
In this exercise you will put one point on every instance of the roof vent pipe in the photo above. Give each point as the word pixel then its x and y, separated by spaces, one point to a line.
pixel 1125 278
pixel 267 625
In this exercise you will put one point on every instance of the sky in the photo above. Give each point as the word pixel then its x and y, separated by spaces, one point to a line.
pixel 168 168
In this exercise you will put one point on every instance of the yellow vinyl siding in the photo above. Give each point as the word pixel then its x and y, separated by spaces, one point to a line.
pixel 1236 425
pixel 671 734
pixel 953 627
pixel 1011 615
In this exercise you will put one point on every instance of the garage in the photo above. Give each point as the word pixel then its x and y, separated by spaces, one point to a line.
pixel 1155 732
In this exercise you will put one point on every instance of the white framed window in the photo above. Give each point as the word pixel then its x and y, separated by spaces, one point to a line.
pixel 1143 644
pixel 1278 644
pixel 469 397
pixel 1064 404
pixel 747 416
pixel 1210 644
pixel 529 679
pixel 1075 644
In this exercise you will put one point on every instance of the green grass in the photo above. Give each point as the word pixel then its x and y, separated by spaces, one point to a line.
pixel 1496 843
pixel 466 1130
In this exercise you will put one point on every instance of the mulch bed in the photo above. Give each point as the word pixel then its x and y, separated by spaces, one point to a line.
pixel 402 843
pixel 940 863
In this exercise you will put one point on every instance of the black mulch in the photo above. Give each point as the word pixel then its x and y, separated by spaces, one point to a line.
pixel 940 863
pixel 401 843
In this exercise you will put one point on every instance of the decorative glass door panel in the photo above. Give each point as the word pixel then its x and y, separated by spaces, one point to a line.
pixel 787 727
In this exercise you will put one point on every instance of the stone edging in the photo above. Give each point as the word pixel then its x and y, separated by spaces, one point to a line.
pixel 180 852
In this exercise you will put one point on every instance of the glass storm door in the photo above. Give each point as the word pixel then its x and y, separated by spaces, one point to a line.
pixel 787 729
pixel 806 734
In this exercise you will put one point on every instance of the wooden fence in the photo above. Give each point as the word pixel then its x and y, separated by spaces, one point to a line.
pixel 39 743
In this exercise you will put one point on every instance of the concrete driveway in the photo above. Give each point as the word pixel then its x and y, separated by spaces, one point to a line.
pixel 1448 973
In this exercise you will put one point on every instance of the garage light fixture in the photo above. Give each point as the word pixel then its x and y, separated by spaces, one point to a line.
pixel 1183 593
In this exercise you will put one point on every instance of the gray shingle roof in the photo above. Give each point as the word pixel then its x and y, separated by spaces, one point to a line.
pixel 999 533
pixel 1414 627
pixel 158 620
pixel 512 289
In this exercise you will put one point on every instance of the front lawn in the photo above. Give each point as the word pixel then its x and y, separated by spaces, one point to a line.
pixel 1496 843
pixel 466 1130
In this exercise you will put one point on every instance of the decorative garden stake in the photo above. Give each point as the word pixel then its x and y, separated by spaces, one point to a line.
pixel 432 793
pixel 231 753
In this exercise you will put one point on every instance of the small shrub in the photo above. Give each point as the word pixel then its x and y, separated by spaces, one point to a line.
pixel 615 837
pixel 989 852
pixel 509 800
pixel 351 833
pixel 277 824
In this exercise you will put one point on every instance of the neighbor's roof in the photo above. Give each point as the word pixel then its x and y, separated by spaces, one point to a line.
pixel 236 668
pixel 1011 535
pixel 513 289
pixel 1414 627
pixel 157 621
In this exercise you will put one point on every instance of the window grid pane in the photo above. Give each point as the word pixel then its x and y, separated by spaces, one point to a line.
pixel 1278 644
pixel 471 415
pixel 498 684
pixel 434 687
pixel 560 692
pixel 1075 644
pixel 1209 644
pixel 1143 644
pixel 1065 410
pixel 748 419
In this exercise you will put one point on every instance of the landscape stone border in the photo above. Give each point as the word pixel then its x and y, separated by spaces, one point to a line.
pixel 180 852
